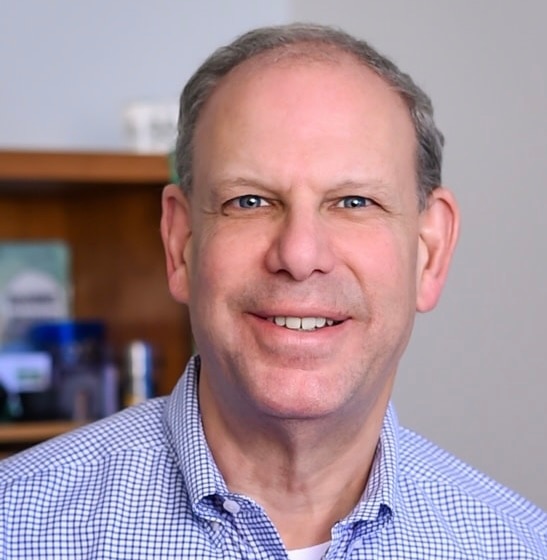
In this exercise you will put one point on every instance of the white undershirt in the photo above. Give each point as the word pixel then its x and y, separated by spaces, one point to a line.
pixel 311 553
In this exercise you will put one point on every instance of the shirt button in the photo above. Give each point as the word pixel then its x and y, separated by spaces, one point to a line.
pixel 231 506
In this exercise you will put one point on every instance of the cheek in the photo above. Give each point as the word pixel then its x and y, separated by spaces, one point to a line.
pixel 222 263
pixel 230 251
pixel 385 264
pixel 383 253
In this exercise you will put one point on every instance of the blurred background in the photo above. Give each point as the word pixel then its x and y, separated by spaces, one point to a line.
pixel 474 379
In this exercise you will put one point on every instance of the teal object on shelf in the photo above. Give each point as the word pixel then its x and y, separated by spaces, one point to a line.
pixel 173 175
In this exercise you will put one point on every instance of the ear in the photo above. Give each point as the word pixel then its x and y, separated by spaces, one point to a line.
pixel 176 232
pixel 438 234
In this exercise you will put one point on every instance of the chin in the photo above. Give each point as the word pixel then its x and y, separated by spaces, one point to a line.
pixel 297 405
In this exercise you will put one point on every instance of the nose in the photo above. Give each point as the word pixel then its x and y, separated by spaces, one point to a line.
pixel 301 246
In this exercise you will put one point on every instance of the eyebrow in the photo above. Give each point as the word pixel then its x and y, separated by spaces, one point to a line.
pixel 378 185
pixel 237 182
pixel 223 188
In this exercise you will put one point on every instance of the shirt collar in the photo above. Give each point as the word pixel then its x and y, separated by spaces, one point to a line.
pixel 203 479
pixel 380 492
pixel 182 421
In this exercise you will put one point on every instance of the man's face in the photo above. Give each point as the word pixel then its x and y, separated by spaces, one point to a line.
pixel 302 262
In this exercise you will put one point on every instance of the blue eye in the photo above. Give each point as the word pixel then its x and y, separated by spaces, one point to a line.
pixel 249 201
pixel 354 202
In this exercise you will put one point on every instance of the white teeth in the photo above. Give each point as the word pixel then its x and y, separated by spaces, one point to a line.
pixel 301 323
pixel 308 323
pixel 293 322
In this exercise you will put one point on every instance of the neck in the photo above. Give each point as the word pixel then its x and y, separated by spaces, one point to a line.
pixel 306 474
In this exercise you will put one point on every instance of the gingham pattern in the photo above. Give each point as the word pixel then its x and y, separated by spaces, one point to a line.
pixel 142 484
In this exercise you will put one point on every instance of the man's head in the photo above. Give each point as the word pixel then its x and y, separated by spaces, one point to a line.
pixel 302 251
pixel 309 41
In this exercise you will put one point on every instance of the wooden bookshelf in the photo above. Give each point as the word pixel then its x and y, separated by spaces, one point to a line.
pixel 66 168
pixel 15 437
pixel 34 432
pixel 106 207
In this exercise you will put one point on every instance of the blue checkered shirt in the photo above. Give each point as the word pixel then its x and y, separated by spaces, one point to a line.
pixel 142 484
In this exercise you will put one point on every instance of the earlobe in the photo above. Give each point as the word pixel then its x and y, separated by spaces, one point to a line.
pixel 176 234
pixel 439 229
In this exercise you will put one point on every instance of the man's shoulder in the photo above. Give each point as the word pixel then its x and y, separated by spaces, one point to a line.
pixel 466 499
pixel 132 430
pixel 112 489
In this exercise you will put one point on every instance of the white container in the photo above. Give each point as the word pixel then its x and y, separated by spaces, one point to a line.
pixel 151 127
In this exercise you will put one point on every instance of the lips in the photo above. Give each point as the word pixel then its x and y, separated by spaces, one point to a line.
pixel 302 323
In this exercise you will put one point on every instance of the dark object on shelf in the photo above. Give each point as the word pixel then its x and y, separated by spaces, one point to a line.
pixel 85 386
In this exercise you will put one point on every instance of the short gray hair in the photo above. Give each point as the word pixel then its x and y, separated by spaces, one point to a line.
pixel 201 85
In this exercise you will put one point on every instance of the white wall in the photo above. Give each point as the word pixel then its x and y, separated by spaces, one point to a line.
pixel 475 377
pixel 67 69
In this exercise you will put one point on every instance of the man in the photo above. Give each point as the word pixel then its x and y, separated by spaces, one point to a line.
pixel 308 228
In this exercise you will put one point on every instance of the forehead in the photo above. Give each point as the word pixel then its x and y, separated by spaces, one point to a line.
pixel 307 57
pixel 304 106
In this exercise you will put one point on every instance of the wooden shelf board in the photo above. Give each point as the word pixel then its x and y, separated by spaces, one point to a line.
pixel 83 167
pixel 32 432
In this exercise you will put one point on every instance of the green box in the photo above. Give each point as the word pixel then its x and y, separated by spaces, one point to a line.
pixel 35 285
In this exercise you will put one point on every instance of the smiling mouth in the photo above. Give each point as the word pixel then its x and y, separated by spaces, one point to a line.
pixel 302 323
